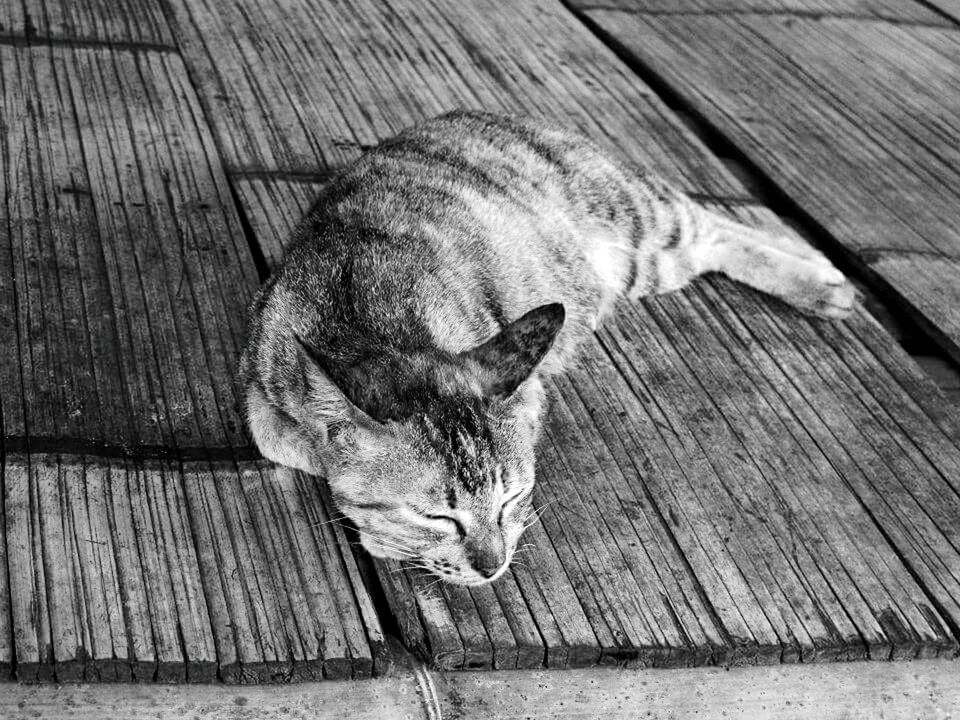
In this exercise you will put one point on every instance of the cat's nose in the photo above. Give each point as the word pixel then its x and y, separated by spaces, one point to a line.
pixel 489 571
pixel 489 558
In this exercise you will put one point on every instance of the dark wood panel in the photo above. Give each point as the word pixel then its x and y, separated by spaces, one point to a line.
pixel 126 269
pixel 855 121
pixel 304 86
pixel 161 572
pixel 139 22
pixel 703 479
pixel 895 10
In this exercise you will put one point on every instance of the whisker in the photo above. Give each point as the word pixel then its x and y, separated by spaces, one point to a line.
pixel 395 546
pixel 433 584
pixel 331 521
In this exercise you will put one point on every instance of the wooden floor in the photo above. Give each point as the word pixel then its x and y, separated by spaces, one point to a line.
pixel 724 480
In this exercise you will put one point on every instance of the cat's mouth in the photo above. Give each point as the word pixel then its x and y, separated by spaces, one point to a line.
pixel 447 572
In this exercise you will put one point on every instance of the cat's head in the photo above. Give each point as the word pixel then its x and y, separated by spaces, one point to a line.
pixel 432 455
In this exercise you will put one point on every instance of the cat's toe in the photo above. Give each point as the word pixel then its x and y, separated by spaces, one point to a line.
pixel 836 299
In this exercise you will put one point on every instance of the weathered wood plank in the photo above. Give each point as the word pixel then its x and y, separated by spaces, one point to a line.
pixel 273 207
pixel 763 564
pixel 157 572
pixel 139 22
pixel 28 603
pixel 929 283
pixel 950 8
pixel 359 72
pixel 362 634
pixel 89 550
pixel 128 267
pixel 854 121
pixel 867 9
pixel 117 513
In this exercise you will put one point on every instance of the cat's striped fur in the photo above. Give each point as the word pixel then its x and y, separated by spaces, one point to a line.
pixel 398 350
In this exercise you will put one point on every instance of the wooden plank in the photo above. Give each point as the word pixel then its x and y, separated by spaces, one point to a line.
pixel 89 549
pixel 633 429
pixel 251 655
pixel 273 207
pixel 74 599
pixel 139 22
pixel 760 568
pixel 29 615
pixel 362 634
pixel 128 264
pixel 865 9
pixel 161 601
pixel 305 627
pixel 6 595
pixel 359 72
pixel 178 574
pixel 141 651
pixel 852 120
pixel 930 286
pixel 681 627
pixel 287 598
pixel 950 8
pixel 67 631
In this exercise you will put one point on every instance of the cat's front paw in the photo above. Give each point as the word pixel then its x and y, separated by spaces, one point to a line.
pixel 822 290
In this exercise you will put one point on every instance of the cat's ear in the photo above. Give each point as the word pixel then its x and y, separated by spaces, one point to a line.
pixel 509 357
pixel 325 401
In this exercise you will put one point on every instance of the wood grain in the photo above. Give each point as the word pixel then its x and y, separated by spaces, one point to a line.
pixel 710 496
pixel 303 87
pixel 157 572
pixel 127 266
pixel 864 9
pixel 137 22
pixel 855 121
pixel 689 516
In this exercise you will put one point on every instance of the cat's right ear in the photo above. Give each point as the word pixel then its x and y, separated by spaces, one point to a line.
pixel 326 403
pixel 511 356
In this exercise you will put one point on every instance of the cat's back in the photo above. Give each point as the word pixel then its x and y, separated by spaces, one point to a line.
pixel 442 234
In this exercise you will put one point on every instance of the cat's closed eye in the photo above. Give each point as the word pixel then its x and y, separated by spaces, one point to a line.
pixel 452 521
pixel 511 502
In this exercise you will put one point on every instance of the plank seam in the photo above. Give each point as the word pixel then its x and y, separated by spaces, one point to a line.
pixel 804 14
pixel 40 444
pixel 672 538
pixel 953 627
pixel 775 196
pixel 30 40
pixel 12 670
pixel 259 259
pixel 301 176
pixel 933 7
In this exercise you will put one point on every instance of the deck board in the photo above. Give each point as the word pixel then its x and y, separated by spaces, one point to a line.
pixel 356 74
pixel 188 595
pixel 134 22
pixel 891 10
pixel 728 500
pixel 711 525
pixel 126 276
pixel 127 261
pixel 854 121
pixel 721 480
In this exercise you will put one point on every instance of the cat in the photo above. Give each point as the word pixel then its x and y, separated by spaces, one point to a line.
pixel 399 350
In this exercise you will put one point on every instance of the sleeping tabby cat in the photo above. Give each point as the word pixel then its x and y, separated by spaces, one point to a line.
pixel 399 349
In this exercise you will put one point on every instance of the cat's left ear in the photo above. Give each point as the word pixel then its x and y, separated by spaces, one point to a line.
pixel 329 405
pixel 509 358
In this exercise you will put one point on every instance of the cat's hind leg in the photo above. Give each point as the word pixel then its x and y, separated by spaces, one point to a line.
pixel 687 240
pixel 776 264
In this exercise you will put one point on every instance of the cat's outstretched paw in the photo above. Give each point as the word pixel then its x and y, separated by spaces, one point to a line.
pixel 822 290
